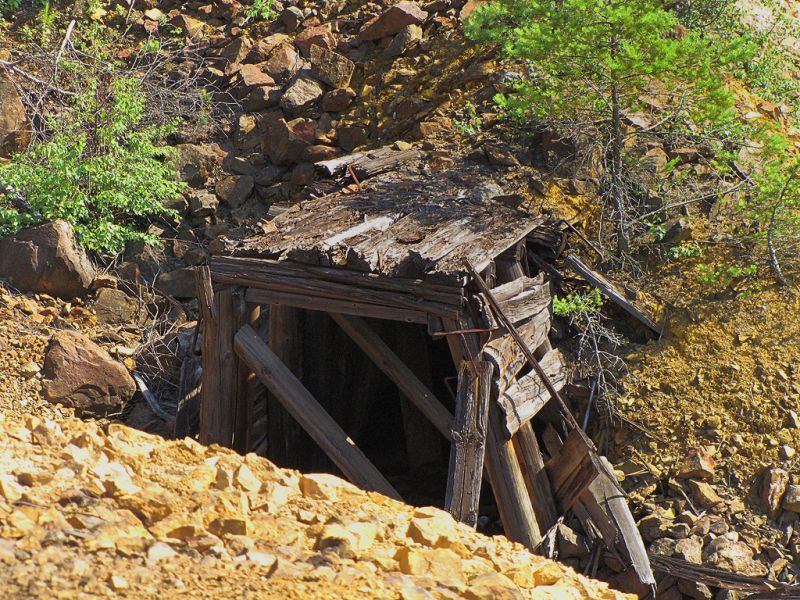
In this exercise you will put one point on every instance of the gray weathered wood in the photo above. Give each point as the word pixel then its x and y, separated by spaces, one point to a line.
pixel 527 395
pixel 610 291
pixel 500 461
pixel 339 306
pixel 469 442
pixel 219 370
pixel 536 479
pixel 307 411
pixel 388 362
pixel 571 470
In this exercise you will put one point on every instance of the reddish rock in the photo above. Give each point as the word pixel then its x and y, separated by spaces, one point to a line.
pixel 303 174
pixel 79 374
pixel 331 67
pixel 773 487
pixel 286 141
pixel 392 21
pixel 196 162
pixel 282 63
pixel 46 259
pixel 351 137
pixel 427 129
pixel 251 76
pixel 301 94
pixel 337 100
pixel 13 125
pixel 262 98
pixel 321 35
pixel 190 27
pixel 259 51
pixel 698 464
pixel 237 50
pixel 409 36
pixel 235 189
pixel 225 9
pixel 318 153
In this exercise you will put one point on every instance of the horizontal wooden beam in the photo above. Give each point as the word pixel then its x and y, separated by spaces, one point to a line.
pixel 299 402
pixel 346 307
pixel 396 370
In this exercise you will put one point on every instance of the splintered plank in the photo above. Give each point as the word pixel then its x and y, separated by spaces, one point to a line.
pixel 610 291
pixel 527 395
pixel 282 383
pixel 469 442
pixel 571 470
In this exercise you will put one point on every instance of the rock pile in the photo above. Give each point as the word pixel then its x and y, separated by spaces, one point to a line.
pixel 105 510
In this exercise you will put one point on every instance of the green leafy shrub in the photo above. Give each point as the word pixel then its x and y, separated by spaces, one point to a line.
pixel 469 123
pixel 578 304
pixel 261 9
pixel 9 7
pixel 101 170
pixel 725 275
pixel 685 250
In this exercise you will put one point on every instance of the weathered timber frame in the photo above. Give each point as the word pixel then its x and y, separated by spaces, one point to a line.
pixel 432 264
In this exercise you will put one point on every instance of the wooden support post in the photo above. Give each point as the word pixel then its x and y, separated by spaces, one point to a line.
pixel 247 387
pixel 220 370
pixel 307 411
pixel 469 442
pixel 502 465
pixel 394 368
pixel 536 480
pixel 285 339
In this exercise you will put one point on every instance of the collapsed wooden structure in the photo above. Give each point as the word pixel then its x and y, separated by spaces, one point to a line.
pixel 461 267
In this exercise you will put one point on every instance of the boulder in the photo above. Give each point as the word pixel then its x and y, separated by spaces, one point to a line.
pixel 331 67
pixel 203 203
pixel 237 50
pixel 773 487
pixel 791 500
pixel 79 374
pixel 403 41
pixel 196 162
pixel 233 190
pixel 14 132
pixel 282 63
pixel 259 52
pixel 392 21
pixel 351 137
pixel 46 259
pixel 697 464
pixel 178 283
pixel 261 98
pixel 321 35
pixel 115 307
pixel 301 94
pixel 337 100
pixel 291 18
pixel 251 76
pixel 733 556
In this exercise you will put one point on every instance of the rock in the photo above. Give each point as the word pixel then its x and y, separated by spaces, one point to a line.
pixel 262 559
pixel 189 26
pixel 115 307
pixel 657 157
pixel 690 549
pixel 178 283
pixel 251 76
pixel 791 500
pixel 704 494
pixel 286 141
pixel 259 52
pixel 492 586
pixel 301 94
pixel 118 583
pixel 331 67
pixel 570 543
pixel 694 589
pixel 46 259
pixel 431 527
pixel 787 452
pixel 80 374
pixel 317 153
pixel 203 203
pixel 234 190
pixel 773 487
pixel 697 464
pixel 443 565
pixel 158 552
pixel 196 162
pixel 337 100
pixel 262 98
pixel 403 41
pixel 680 230
pixel 321 35
pixel 348 541
pixel 291 17
pixel 500 155
pixel 351 137
pixel 733 556
pixel 237 50
pixel 392 21
pixel 323 486
pixel 29 370
pixel 304 173
pixel 282 63
pixel 14 132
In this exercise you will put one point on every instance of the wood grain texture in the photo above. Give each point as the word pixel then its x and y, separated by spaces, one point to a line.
pixel 469 442
pixel 307 411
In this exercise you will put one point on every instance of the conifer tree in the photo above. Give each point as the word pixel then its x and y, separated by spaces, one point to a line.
pixel 592 61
